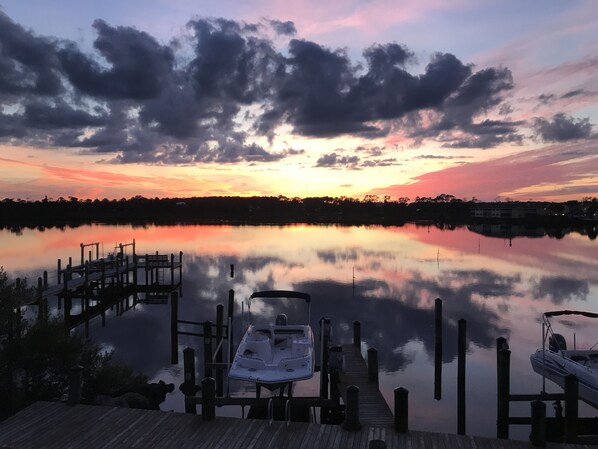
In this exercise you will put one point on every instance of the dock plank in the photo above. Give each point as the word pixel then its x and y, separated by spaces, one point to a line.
pixel 56 425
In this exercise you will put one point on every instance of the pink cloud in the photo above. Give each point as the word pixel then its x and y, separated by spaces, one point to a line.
pixel 548 173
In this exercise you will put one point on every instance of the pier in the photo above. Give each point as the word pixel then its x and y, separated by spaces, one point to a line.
pixel 56 425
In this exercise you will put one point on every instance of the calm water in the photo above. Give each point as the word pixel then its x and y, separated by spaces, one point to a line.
pixel 386 277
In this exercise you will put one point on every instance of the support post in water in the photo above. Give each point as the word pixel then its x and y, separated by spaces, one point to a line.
pixel 571 408
pixel 401 410
pixel 231 311
pixel 174 328
pixel 207 348
pixel 461 377
pixel 220 349
pixel 208 398
pixel 438 349
pixel 503 380
pixel 357 334
pixel 189 387
pixel 538 433
pixel 352 409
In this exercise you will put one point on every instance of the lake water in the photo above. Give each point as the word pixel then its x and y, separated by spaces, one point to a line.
pixel 385 277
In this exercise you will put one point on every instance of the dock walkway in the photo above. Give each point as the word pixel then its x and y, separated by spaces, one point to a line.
pixel 48 425
pixel 373 409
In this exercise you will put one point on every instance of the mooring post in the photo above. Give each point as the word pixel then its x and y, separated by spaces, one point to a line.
pixel 208 398
pixel 82 253
pixel 189 387
pixel 373 365
pixel 503 380
pixel 171 269
pixel 59 271
pixel 75 379
pixel 462 345
pixel 438 349
pixel 352 409
pixel 325 342
pixel 401 410
pixel 231 311
pixel 207 348
pixel 220 349
pixel 357 334
pixel 571 408
pixel 232 270
pixel 45 279
pixel 538 433
pixel 174 328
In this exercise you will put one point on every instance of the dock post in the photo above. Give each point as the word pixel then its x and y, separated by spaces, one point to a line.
pixel 208 398
pixel 462 345
pixel 352 409
pixel 357 334
pixel 220 349
pixel 401 410
pixel 373 365
pixel 75 378
pixel 438 349
pixel 571 408
pixel 538 433
pixel 231 310
pixel 45 279
pixel 188 387
pixel 171 269
pixel 325 342
pixel 232 270
pixel 174 330
pixel 207 348
pixel 58 271
pixel 82 253
pixel 503 375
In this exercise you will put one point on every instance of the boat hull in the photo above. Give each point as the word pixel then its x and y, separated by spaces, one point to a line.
pixel 555 366
pixel 274 354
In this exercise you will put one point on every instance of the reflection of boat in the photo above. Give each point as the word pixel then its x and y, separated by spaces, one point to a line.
pixel 277 353
pixel 556 362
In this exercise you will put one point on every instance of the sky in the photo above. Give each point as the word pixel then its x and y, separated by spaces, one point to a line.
pixel 482 99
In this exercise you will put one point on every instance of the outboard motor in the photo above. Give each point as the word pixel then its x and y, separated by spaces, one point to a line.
pixel 281 319
pixel 556 343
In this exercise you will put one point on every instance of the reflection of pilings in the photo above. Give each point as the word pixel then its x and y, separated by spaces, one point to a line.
pixel 462 344
pixel 438 349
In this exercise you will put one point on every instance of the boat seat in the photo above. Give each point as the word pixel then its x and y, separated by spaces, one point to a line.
pixel 257 345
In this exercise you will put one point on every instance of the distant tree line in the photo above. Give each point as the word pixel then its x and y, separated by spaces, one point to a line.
pixel 371 209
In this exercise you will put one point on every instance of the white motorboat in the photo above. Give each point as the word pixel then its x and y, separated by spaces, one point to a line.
pixel 275 354
pixel 557 361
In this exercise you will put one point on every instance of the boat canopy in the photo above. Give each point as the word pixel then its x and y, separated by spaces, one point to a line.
pixel 570 312
pixel 281 294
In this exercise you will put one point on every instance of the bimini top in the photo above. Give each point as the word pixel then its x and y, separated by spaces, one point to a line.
pixel 571 312
pixel 281 294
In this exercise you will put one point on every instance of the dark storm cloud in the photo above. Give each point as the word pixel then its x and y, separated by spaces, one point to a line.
pixel 138 64
pixel 562 128
pixel 28 64
pixel 205 99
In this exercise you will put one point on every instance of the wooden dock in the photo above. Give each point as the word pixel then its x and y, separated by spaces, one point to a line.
pixel 373 409
pixel 47 425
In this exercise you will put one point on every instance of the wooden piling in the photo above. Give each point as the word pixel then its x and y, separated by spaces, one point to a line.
pixel 503 387
pixel 59 271
pixel 220 349
pixel 357 334
pixel 189 387
pixel 325 343
pixel 373 365
pixel 208 398
pixel 174 334
pixel 207 348
pixel 75 379
pixel 229 316
pixel 438 349
pixel 571 408
pixel 538 432
pixel 401 396
pixel 352 409
pixel 462 345
pixel 232 270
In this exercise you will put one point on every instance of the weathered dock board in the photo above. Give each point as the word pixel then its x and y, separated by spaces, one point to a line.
pixel 373 409
pixel 57 425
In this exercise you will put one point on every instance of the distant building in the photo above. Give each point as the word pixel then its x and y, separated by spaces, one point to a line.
pixel 508 211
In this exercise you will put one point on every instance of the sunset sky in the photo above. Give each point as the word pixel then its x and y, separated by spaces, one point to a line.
pixel 176 98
